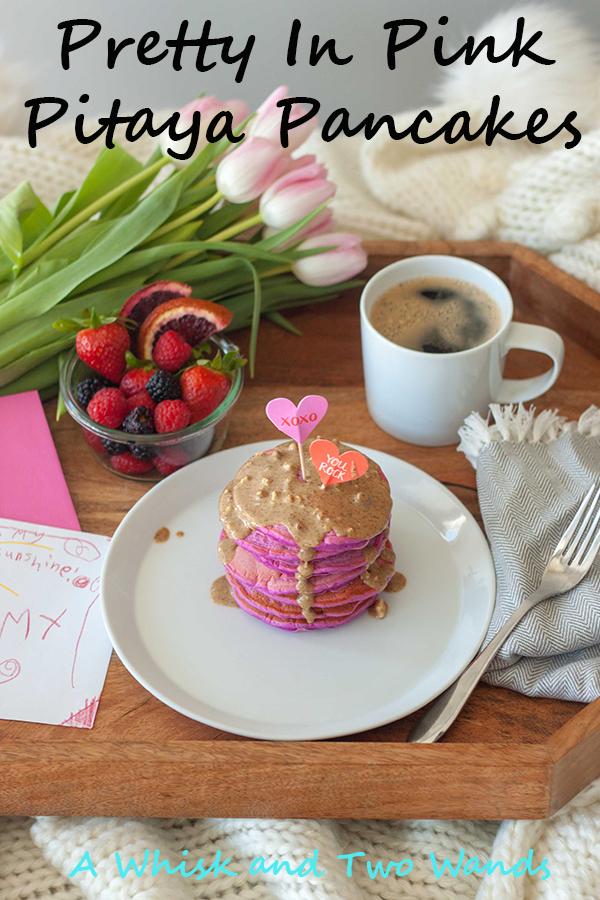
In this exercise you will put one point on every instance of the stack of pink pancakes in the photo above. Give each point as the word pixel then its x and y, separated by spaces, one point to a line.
pixel 301 583
pixel 263 575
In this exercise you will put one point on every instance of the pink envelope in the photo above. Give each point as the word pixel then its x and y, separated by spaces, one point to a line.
pixel 32 485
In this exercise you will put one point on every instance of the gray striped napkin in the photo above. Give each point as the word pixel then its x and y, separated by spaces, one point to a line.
pixel 532 473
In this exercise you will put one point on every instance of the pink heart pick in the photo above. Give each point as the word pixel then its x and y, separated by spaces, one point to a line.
pixel 297 421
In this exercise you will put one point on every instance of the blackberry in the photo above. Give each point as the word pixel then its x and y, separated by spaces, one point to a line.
pixel 142 451
pixel 90 386
pixel 163 386
pixel 114 448
pixel 139 421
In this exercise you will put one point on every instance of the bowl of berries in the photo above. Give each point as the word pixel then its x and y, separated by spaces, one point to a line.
pixel 147 413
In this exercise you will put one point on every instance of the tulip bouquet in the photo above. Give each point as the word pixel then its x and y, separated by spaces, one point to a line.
pixel 243 223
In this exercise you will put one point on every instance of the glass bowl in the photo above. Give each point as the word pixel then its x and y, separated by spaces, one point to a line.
pixel 169 451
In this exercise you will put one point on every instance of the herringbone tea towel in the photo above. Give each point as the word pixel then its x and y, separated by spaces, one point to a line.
pixel 532 474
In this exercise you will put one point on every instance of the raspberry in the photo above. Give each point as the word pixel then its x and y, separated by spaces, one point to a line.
pixel 108 407
pixel 142 398
pixel 128 465
pixel 113 448
pixel 135 381
pixel 164 467
pixel 171 351
pixel 139 421
pixel 171 415
pixel 88 387
pixel 162 386
pixel 93 440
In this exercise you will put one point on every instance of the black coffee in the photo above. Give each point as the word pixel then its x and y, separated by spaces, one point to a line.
pixel 436 315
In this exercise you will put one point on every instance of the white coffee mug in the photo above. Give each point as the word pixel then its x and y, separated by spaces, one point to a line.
pixel 424 398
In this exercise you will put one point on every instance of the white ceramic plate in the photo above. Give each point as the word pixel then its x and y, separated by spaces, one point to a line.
pixel 221 666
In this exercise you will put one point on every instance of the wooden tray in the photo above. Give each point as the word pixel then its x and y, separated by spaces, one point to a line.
pixel 508 756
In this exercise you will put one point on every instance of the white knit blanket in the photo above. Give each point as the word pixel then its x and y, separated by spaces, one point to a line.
pixel 36 857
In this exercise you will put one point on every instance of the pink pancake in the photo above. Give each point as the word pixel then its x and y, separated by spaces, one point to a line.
pixel 279 541
pixel 287 561
pixel 332 607
pixel 298 623
pixel 253 573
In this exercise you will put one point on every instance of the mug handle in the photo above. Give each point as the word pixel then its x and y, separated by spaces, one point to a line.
pixel 542 340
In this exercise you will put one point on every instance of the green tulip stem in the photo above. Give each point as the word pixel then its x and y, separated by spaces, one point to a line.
pixel 277 270
pixel 237 228
pixel 223 235
pixel 186 217
pixel 35 252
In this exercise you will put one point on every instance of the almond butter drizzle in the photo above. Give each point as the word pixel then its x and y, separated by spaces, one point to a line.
pixel 226 550
pixel 220 592
pixel 377 575
pixel 397 582
pixel 370 554
pixel 379 609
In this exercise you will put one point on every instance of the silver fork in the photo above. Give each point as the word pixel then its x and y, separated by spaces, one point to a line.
pixel 571 560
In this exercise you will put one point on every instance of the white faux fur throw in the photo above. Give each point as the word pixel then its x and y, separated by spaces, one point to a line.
pixel 544 197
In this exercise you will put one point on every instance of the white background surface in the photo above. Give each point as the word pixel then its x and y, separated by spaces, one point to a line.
pixel 28 32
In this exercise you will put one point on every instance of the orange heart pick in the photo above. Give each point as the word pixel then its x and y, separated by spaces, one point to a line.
pixel 334 466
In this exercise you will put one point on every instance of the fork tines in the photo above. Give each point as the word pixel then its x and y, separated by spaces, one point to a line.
pixel 581 541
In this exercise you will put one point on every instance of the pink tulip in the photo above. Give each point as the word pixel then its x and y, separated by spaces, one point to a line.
pixel 237 108
pixel 295 195
pixel 333 266
pixel 319 224
pixel 267 122
pixel 302 169
pixel 272 100
pixel 208 107
pixel 246 172
pixel 307 160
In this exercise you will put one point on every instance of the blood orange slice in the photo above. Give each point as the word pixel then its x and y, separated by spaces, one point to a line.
pixel 148 298
pixel 194 319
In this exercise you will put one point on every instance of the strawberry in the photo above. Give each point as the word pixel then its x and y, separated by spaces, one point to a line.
pixel 171 351
pixel 171 415
pixel 142 398
pixel 129 465
pixel 164 467
pixel 103 349
pixel 134 381
pixel 108 407
pixel 203 389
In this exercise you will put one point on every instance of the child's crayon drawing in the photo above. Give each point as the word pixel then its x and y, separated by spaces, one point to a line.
pixel 54 650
